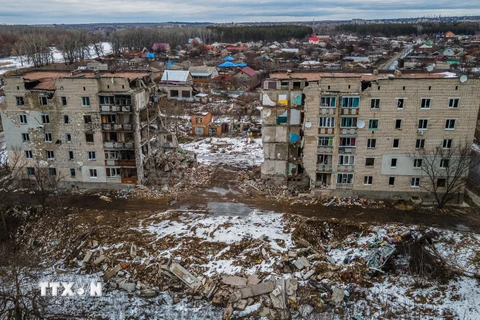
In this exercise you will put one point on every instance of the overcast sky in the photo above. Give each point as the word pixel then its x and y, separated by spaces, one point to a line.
pixel 89 11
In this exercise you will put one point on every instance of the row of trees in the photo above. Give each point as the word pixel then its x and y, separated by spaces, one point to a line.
pixel 399 29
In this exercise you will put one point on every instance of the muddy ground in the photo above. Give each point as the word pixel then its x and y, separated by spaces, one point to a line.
pixel 223 188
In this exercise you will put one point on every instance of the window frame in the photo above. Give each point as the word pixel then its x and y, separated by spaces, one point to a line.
pixel 45 119
pixel 367 180
pixel 415 182
pixel 23 117
pixel 328 122
pixel 374 104
pixel 403 103
pixel 370 165
pixel 48 137
pixel 329 98
pixel 455 104
pixel 427 105
pixel 448 142
pixel 369 143
pixel 422 144
pixel 348 177
pixel 20 99
pixel 93 173
pixel 372 121
pixel 417 163
pixel 50 154
pixel 25 137
pixel 398 127
pixel 350 102
pixel 86 102
pixel 425 121
pixel 398 144
pixel 444 163
pixel 92 156
pixel 353 124
pixel 346 160
pixel 391 162
pixel 28 154
pixel 390 182
pixel 449 121
pixel 330 141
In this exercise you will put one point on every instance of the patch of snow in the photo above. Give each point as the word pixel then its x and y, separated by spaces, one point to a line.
pixel 227 151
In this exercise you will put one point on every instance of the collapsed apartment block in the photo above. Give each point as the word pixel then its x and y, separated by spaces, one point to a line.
pixel 87 127
pixel 358 131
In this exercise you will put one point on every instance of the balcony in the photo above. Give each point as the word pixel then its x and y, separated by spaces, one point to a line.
pixel 326 130
pixel 120 163
pixel 345 167
pixel 117 127
pixel 352 111
pixel 348 131
pixel 324 167
pixel 118 145
pixel 344 186
pixel 129 180
pixel 327 110
pixel 324 149
pixel 346 150
pixel 115 108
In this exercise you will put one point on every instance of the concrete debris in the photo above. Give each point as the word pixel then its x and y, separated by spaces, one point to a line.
pixel 301 263
pixel 256 290
pixel 188 278
pixel 305 310
pixel 337 295
pixel 228 312
pixel 253 280
pixel 133 251
pixel 148 293
pixel 99 259
pixel 87 257
pixel 234 281
pixel 241 305
pixel 111 272
pixel 105 198
pixel 127 286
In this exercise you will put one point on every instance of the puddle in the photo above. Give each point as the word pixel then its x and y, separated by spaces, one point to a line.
pixel 229 209
pixel 222 191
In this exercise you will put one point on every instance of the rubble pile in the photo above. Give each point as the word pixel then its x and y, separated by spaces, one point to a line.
pixel 266 265
pixel 337 201
pixel 165 165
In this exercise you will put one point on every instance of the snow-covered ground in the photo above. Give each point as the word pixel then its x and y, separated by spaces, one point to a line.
pixel 227 151
pixel 15 62
pixel 210 244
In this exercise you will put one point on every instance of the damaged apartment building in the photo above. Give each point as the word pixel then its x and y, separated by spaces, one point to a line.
pixel 84 126
pixel 357 132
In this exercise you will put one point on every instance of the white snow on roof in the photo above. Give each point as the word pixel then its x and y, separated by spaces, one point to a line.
pixel 175 75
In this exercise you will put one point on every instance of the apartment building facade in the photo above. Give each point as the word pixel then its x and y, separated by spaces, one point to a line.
pixel 84 126
pixel 360 132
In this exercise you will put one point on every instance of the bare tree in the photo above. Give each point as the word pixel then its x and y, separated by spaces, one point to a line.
pixel 46 181
pixel 11 171
pixel 19 294
pixel 446 167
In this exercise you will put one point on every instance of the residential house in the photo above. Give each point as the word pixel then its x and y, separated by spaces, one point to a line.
pixel 203 74
pixel 204 124
pixel 246 77
pixel 178 84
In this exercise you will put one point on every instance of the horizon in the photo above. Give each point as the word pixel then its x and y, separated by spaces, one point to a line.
pixel 48 12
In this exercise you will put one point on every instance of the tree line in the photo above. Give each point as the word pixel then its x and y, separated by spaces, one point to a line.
pixel 399 29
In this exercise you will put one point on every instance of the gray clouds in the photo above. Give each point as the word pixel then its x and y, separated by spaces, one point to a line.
pixel 89 11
